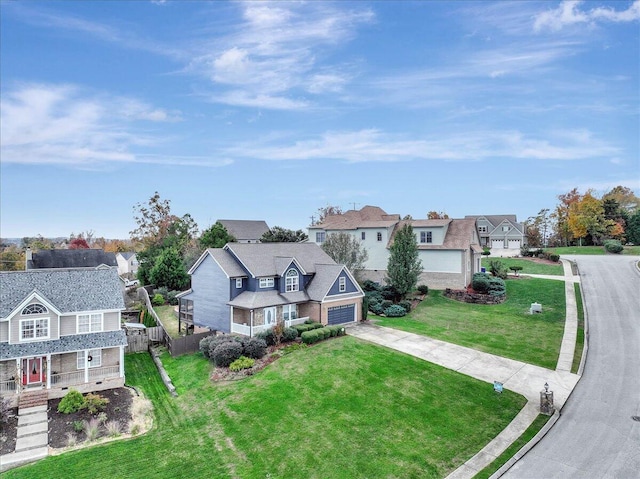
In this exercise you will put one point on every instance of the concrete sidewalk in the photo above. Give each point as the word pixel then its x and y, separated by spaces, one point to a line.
pixel 525 379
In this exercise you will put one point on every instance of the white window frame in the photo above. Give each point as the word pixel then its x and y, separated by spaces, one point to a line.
pixel 321 236
pixel 379 236
pixel 34 308
pixel 96 359
pixel 266 282
pixel 95 323
pixel 292 281
pixel 36 325
pixel 238 283
pixel 289 312
pixel 342 284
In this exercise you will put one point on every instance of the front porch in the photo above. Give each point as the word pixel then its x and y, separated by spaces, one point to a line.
pixel 251 330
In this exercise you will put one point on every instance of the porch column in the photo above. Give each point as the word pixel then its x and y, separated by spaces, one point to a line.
pixel 121 361
pixel 48 371
pixel 18 375
pixel 86 366
pixel 231 319
pixel 251 324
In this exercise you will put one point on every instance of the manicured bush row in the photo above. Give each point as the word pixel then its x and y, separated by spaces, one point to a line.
pixel 254 348
pixel 301 328
pixel 316 335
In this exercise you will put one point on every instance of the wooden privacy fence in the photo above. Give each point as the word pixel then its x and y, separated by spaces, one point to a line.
pixel 158 334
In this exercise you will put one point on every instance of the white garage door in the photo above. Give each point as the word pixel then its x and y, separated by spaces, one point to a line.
pixel 498 244
pixel 514 244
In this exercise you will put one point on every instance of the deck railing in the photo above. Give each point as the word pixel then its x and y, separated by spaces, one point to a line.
pixel 246 330
pixel 77 377
pixel 8 386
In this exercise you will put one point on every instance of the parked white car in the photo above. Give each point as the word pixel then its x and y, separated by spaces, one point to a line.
pixel 129 283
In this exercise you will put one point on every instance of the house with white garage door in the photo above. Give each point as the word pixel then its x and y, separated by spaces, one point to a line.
pixel 500 231
pixel 246 288
pixel 448 248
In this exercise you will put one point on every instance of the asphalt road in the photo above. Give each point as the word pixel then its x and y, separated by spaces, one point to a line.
pixel 596 436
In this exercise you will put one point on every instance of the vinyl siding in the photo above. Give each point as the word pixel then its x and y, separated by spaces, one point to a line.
pixel 335 288
pixel 14 328
pixel 4 331
pixel 211 289
pixel 441 261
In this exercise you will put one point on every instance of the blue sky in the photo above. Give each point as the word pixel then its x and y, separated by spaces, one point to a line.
pixel 261 110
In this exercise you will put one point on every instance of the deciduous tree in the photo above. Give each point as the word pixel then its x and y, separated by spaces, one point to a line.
pixel 322 213
pixel 277 234
pixel 347 250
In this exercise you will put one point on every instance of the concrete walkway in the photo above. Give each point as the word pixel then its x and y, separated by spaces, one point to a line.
pixel 32 438
pixel 525 379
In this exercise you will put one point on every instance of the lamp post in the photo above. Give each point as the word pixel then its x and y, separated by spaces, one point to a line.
pixel 546 401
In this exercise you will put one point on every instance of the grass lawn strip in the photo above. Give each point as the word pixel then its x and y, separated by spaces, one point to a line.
pixel 592 250
pixel 528 266
pixel 505 329
pixel 342 408
pixel 169 319
pixel 577 355
pixel 526 436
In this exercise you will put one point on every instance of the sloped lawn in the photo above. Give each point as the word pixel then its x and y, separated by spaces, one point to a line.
pixel 505 329
pixel 340 409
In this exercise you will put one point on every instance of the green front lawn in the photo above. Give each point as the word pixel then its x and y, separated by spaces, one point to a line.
pixel 528 266
pixel 505 329
pixel 169 319
pixel 340 409
pixel 631 250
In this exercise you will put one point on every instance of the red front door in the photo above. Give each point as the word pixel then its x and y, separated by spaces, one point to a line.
pixel 31 371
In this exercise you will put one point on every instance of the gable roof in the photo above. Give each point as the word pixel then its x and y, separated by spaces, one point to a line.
pixel 266 259
pixel 69 290
pixel 243 230
pixel 71 258
pixel 126 255
pixel 366 217
pixel 460 233
pixel 224 259
pixel 495 220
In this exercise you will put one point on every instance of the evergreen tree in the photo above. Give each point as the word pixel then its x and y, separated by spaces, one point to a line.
pixel 404 266
pixel 278 234
pixel 216 236
pixel 168 271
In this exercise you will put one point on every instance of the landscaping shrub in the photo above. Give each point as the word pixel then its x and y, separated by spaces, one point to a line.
pixel 289 334
pixel 374 296
pixel 497 287
pixel 480 282
pixel 395 311
pixel 369 285
pixel 164 291
pixel 204 345
pixel 301 328
pixel 95 403
pixel 255 348
pixel 556 257
pixel 406 305
pixel 376 308
pixel 71 402
pixel 226 353
pixel 389 293
pixel 326 332
pixel 268 336
pixel 242 363
pixel 221 339
pixel 386 303
pixel 516 269
pixel 92 429
pixel 309 321
pixel 310 337
pixel 365 308
pixel 157 300
pixel 333 330
pixel 498 269
pixel 423 289
pixel 613 246
pixel 172 298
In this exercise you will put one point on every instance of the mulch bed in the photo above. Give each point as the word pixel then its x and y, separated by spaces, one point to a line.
pixel 118 409
pixel 9 433
pixel 225 374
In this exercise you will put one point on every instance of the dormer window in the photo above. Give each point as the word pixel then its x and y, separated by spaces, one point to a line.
pixel 35 308
pixel 34 329
pixel 342 284
pixel 426 237
pixel 292 280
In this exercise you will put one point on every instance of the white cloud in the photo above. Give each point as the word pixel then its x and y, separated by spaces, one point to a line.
pixel 569 12
pixel 372 145
pixel 64 125
pixel 276 53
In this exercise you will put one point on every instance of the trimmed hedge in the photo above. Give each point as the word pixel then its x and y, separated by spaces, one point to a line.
pixel 289 334
pixel 480 282
pixel 301 328
pixel 316 335
pixel 423 289
pixel 395 311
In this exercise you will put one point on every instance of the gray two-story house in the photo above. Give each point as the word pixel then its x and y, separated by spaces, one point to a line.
pixel 60 328
pixel 246 288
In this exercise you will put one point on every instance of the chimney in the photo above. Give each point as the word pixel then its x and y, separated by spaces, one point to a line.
pixel 28 255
